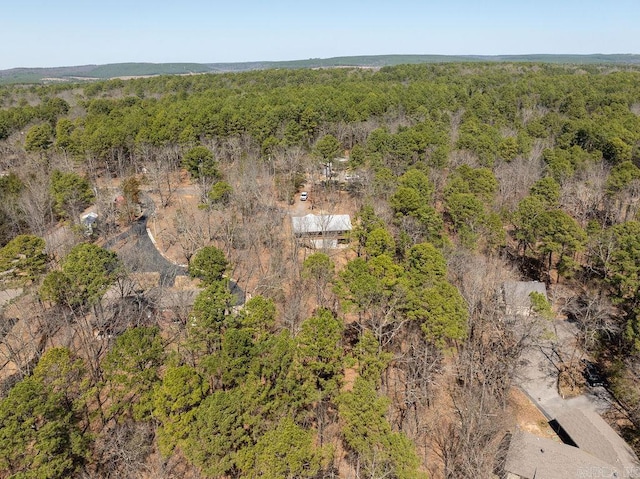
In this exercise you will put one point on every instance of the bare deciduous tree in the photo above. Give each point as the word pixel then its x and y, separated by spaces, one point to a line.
pixel 123 450
pixel 36 203
pixel 468 437
pixel 583 196
pixel 161 170
pixel 515 178
pixel 595 316
pixel 192 230
pixel 412 383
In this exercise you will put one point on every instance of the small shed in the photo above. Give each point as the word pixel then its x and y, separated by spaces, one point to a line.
pixel 88 221
pixel 322 231
pixel 516 296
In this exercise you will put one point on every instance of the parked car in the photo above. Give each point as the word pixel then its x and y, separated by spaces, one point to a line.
pixel 303 196
pixel 592 374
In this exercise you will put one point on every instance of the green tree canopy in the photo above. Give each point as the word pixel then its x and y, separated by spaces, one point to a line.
pixel 441 312
pixel 621 176
pixel 131 371
pixel 40 435
pixel 327 148
pixel 379 241
pixel 377 290
pixel 419 181
pixel 220 193
pixel 258 315
pixel 286 452
pixel 467 215
pixel 406 200
pixel 368 434
pixel 209 264
pixel 479 182
pixel 218 434
pixel 319 354
pixel 617 255
pixel 89 270
pixel 63 374
pixel 548 190
pixel 71 194
pixel 560 234
pixel 425 263
pixel 39 138
pixel 200 162
pixel 24 257
pixel 175 401
pixel 209 318
pixel 526 220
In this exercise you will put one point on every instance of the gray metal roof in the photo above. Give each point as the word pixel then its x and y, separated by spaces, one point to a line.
pixel 534 457
pixel 90 218
pixel 320 224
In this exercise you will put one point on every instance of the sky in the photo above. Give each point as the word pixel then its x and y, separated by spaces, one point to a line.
pixel 48 33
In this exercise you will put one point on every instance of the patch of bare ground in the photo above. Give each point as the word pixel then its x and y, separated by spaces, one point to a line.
pixel 264 256
pixel 350 375
pixel 528 416
pixel 166 225
pixel 22 337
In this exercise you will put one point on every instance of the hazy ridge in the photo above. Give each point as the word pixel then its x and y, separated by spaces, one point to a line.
pixel 116 70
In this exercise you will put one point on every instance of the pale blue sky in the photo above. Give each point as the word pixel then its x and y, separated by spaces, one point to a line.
pixel 40 33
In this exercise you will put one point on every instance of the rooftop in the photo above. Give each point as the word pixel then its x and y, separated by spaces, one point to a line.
pixel 320 224
pixel 592 434
pixel 536 457
pixel 516 295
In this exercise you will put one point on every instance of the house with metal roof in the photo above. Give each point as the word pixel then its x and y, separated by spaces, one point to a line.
pixel 322 231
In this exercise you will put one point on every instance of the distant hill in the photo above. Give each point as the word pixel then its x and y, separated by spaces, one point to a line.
pixel 126 70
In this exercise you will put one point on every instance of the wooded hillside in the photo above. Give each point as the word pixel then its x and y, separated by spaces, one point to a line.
pixel 392 357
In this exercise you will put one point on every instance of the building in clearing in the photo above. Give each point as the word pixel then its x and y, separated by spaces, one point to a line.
pixel 322 231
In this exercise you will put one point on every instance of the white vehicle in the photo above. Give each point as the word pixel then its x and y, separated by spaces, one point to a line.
pixel 303 196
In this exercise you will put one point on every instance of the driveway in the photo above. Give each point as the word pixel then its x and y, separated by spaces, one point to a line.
pixel 538 376
pixel 145 257
pixel 301 208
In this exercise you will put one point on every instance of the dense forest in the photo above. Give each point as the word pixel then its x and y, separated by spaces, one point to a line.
pixel 392 358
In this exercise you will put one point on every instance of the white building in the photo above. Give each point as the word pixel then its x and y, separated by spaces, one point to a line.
pixel 322 231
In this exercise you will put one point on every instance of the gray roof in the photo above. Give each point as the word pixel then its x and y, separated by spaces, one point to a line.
pixel 90 218
pixel 516 293
pixel 536 457
pixel 592 434
pixel 320 224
